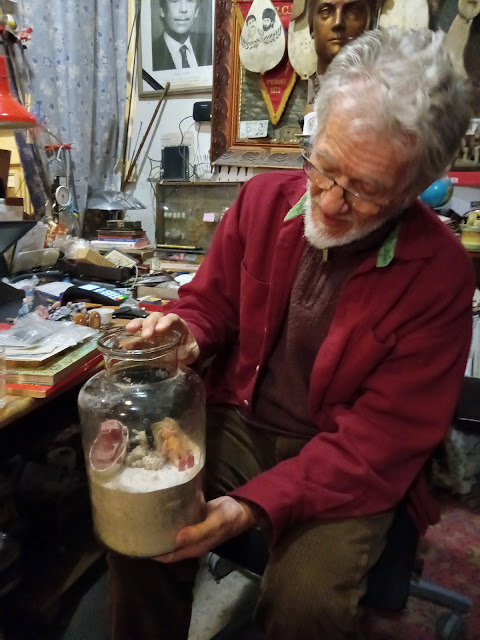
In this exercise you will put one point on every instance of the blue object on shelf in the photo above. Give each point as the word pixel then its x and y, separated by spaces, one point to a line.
pixel 438 193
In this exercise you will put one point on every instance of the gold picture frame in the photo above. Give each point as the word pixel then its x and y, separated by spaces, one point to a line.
pixel 231 87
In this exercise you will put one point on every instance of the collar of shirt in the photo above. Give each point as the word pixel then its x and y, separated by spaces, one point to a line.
pixel 386 252
pixel 174 47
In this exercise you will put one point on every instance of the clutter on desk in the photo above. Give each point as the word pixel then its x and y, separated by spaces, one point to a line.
pixel 471 230
pixel 95 320
pixel 129 312
pixel 122 235
pixel 35 340
pixel 177 258
pixel 42 357
pixel 105 314
pixel 159 286
pixel 55 369
pixel 91 271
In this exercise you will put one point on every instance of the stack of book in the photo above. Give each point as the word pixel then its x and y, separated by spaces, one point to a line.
pixel 123 235
pixel 180 258
pixel 42 378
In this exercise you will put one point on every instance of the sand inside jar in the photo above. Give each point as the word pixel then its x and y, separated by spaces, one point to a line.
pixel 139 511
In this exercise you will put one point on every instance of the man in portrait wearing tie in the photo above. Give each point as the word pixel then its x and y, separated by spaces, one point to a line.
pixel 178 47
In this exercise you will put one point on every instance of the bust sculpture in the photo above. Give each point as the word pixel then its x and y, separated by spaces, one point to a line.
pixel 334 23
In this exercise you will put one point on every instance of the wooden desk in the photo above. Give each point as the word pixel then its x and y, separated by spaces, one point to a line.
pixel 19 406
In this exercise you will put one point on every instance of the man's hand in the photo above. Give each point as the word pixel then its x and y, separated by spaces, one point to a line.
pixel 226 518
pixel 156 322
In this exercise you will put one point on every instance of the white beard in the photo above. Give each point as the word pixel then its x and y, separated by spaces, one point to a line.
pixel 318 234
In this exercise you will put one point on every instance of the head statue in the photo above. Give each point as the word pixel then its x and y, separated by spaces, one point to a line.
pixel 334 23
pixel 402 84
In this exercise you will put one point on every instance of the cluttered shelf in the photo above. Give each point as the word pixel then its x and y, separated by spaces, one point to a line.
pixel 189 216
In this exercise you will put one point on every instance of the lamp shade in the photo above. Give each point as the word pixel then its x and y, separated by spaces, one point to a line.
pixel 12 114
pixel 110 200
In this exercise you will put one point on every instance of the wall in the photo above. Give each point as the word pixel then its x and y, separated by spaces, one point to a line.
pixel 167 122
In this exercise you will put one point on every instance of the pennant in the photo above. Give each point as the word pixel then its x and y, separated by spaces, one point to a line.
pixel 276 84
pixel 405 14
pixel 262 41
pixel 301 47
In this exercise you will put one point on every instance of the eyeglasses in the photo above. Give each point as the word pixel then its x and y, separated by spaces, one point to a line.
pixel 325 182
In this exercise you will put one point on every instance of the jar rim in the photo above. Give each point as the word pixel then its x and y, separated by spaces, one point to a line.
pixel 110 342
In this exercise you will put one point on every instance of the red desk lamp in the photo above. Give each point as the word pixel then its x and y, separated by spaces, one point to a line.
pixel 12 114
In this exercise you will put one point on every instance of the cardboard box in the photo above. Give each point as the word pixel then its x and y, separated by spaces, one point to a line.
pixel 83 254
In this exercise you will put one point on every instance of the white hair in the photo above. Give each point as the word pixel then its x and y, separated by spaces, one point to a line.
pixel 404 83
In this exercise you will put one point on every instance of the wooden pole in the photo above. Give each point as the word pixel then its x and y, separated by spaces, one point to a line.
pixel 136 25
pixel 134 161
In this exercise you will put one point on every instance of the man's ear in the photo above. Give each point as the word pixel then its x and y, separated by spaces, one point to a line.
pixel 196 11
pixel 162 13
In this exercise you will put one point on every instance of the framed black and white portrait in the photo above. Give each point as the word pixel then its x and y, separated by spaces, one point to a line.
pixel 176 46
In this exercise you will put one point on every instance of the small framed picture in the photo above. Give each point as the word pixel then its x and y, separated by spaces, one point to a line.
pixel 176 46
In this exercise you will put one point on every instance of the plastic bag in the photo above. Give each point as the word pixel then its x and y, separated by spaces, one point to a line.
pixel 31 329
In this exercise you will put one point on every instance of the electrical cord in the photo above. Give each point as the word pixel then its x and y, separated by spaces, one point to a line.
pixel 182 133
pixel 193 167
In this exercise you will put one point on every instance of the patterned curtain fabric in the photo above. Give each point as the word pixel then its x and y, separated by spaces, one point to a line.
pixel 78 61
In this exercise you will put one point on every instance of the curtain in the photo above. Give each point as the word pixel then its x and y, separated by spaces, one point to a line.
pixel 78 70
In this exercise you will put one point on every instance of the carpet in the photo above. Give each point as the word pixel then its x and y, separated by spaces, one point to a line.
pixel 451 552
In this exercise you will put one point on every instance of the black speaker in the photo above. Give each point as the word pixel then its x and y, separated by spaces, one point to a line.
pixel 202 111
pixel 175 163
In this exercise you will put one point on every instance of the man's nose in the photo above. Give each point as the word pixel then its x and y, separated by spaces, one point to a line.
pixel 339 19
pixel 332 201
pixel 183 6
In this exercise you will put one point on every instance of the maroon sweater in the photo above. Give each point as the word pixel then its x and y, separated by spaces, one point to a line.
pixel 281 396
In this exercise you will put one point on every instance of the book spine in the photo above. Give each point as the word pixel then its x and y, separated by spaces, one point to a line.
pixel 43 391
pixel 179 266
pixel 119 244
pixel 105 238
pixel 38 376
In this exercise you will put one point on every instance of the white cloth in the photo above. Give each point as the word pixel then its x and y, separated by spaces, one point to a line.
pixel 174 48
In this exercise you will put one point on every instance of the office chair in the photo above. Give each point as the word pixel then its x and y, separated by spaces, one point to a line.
pixel 390 582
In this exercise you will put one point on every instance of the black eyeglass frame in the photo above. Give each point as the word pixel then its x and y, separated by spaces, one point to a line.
pixel 308 166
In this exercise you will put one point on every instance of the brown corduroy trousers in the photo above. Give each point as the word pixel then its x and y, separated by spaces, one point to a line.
pixel 315 577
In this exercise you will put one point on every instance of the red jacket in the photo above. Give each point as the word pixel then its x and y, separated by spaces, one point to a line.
pixel 386 379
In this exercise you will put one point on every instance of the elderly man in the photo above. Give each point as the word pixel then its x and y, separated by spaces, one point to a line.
pixel 339 311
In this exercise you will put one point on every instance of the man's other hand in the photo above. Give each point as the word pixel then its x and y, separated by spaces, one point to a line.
pixel 156 322
pixel 225 518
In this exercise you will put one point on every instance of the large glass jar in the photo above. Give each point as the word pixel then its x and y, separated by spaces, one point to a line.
pixel 143 424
